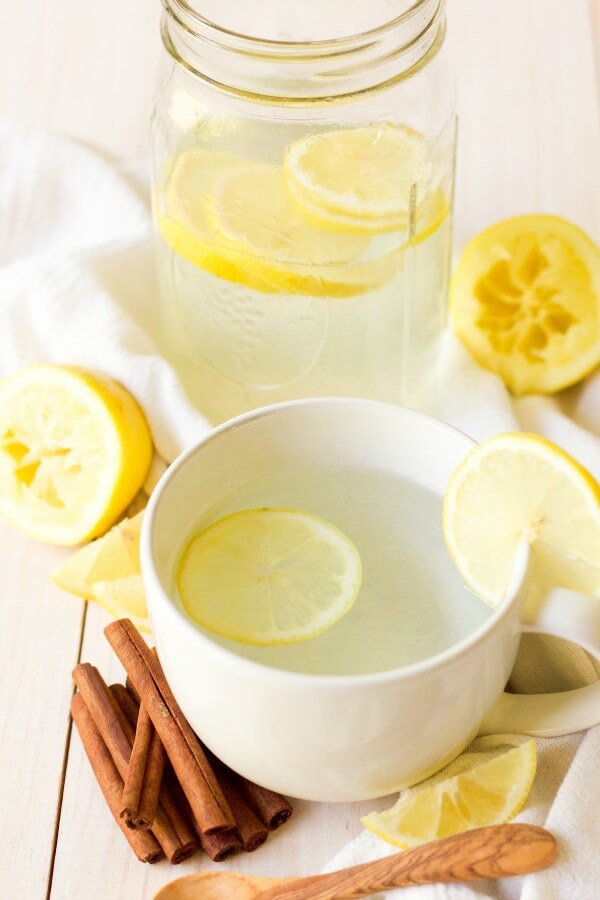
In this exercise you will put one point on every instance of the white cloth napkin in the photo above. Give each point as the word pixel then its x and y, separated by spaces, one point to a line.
pixel 77 286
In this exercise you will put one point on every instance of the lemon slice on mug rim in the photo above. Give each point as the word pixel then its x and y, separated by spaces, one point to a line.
pixel 521 488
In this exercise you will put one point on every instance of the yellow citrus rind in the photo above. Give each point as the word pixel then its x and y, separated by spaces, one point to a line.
pixel 525 301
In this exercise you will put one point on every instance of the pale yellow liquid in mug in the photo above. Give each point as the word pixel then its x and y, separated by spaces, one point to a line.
pixel 236 348
pixel 412 602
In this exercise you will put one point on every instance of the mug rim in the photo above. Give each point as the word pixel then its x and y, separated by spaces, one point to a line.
pixel 158 595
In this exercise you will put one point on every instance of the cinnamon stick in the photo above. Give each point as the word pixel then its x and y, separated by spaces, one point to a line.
pixel 271 808
pixel 144 775
pixel 131 688
pixel 251 830
pixel 221 845
pixel 216 846
pixel 209 806
pixel 143 843
pixel 127 703
pixel 118 735
pixel 182 837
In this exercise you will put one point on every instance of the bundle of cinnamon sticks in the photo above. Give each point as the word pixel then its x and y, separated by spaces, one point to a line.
pixel 167 792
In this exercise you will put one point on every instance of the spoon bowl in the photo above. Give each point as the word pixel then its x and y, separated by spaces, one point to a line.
pixel 218 886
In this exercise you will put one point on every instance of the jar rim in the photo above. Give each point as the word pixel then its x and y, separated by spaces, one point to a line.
pixel 214 29
pixel 302 72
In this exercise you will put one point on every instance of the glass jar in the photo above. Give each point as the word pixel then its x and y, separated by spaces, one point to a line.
pixel 303 182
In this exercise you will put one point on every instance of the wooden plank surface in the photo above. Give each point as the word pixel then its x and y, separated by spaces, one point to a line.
pixel 529 140
pixel 40 632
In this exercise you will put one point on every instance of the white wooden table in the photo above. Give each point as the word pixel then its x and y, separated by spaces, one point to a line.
pixel 529 141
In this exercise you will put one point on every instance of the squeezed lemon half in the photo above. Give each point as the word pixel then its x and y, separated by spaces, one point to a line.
pixel 518 488
pixel 489 794
pixel 269 576
pixel 525 300
pixel 74 451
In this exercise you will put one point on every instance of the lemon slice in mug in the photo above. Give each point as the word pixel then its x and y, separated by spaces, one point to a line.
pixel 269 576
pixel 74 451
pixel 525 300
pixel 489 794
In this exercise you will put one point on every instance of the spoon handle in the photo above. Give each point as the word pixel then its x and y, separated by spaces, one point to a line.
pixel 492 852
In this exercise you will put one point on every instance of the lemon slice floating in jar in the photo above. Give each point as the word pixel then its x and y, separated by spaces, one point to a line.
pixel 234 219
pixel 489 794
pixel 525 300
pixel 269 576
pixel 181 215
pixel 518 488
pixel 361 179
pixel 266 235
pixel 74 451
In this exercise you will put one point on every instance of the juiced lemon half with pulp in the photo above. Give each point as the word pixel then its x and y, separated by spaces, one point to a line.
pixel 269 576
pixel 525 300
pixel 74 451
pixel 489 794
pixel 521 488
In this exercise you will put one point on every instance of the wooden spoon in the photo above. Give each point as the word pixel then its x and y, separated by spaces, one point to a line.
pixel 493 852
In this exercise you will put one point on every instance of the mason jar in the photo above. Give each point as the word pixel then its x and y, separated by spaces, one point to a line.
pixel 302 184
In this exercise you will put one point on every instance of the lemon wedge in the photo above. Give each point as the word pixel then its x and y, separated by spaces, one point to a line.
pixel 489 794
pixel 517 488
pixel 359 180
pixel 269 576
pixel 108 570
pixel 124 598
pixel 74 451
pixel 525 300
pixel 116 555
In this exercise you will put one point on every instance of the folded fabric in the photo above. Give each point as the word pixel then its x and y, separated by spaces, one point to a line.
pixel 77 285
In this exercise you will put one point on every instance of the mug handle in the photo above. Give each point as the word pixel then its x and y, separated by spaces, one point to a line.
pixel 575 617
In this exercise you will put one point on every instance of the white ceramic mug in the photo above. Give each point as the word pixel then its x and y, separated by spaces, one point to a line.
pixel 352 737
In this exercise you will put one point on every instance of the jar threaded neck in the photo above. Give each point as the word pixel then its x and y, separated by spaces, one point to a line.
pixel 303 71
